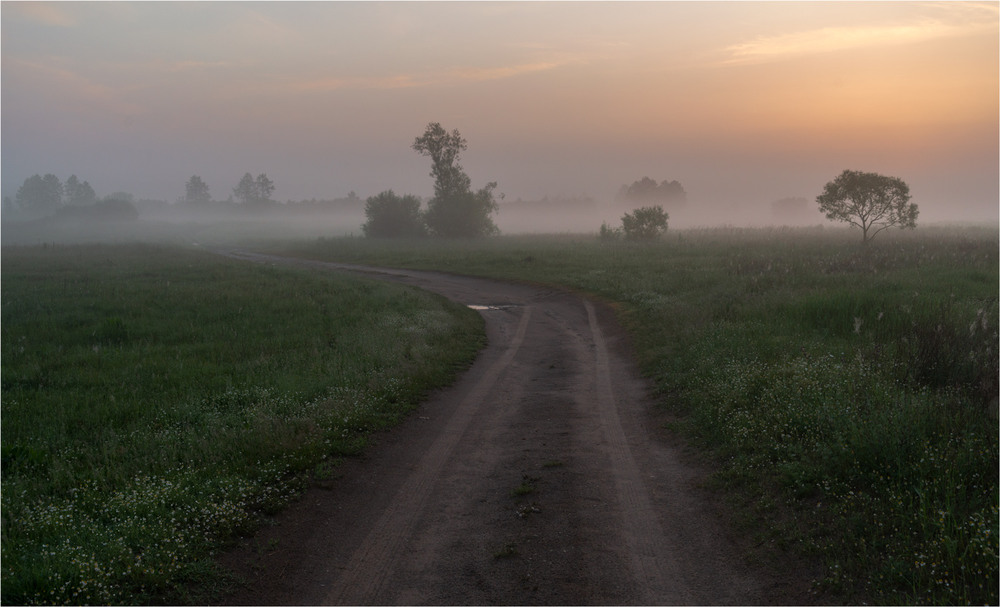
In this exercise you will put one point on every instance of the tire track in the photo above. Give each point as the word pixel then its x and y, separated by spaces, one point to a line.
pixel 655 569
pixel 383 545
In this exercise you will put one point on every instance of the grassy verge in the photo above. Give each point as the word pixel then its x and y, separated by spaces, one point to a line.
pixel 157 400
pixel 845 392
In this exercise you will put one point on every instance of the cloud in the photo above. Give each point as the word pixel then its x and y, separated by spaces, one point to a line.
pixel 833 39
pixel 68 87
pixel 45 13
pixel 452 76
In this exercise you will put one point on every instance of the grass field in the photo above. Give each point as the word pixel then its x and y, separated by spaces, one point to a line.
pixel 846 394
pixel 158 400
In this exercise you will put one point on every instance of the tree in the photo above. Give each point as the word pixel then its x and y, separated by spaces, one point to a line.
pixel 647 191
pixel 455 210
pixel 77 193
pixel 392 216
pixel 254 190
pixel 645 223
pixel 40 195
pixel 869 201
pixel 265 187
pixel 196 190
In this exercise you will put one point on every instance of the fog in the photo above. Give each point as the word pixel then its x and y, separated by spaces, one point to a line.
pixel 562 104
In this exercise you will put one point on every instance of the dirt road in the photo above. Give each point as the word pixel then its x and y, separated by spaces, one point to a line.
pixel 540 477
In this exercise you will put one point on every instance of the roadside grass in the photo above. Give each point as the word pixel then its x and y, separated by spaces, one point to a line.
pixel 845 392
pixel 158 400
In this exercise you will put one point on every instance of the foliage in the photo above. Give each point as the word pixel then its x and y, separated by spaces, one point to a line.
pixel 645 223
pixel 463 215
pixel 647 191
pixel 158 400
pixel 392 216
pixel 196 190
pixel 846 394
pixel 869 201
pixel 250 190
pixel 77 193
pixel 455 211
pixel 609 233
pixel 39 195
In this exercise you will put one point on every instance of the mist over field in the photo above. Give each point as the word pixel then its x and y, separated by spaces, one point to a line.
pixel 562 104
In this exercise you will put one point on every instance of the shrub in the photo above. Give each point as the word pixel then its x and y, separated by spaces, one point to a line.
pixel 392 216
pixel 645 223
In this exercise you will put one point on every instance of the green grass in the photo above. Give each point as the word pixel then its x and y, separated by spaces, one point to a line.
pixel 157 400
pixel 844 392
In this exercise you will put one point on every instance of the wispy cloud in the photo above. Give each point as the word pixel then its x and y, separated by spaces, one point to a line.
pixel 832 39
pixel 46 13
pixel 68 86
pixel 452 76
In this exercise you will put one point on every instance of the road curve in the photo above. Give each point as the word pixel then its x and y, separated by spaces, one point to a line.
pixel 538 478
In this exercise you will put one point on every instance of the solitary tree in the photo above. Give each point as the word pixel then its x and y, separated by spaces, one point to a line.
pixel 196 190
pixel 645 223
pixel 392 216
pixel 455 210
pixel 869 201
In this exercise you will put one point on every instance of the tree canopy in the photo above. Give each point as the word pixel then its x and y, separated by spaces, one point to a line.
pixel 645 223
pixel 869 201
pixel 647 191
pixel 250 190
pixel 196 190
pixel 40 195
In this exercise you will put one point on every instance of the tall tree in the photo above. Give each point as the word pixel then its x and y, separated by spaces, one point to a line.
pixel 265 187
pixel 196 190
pixel 40 195
pixel 868 201
pixel 455 210
pixel 245 190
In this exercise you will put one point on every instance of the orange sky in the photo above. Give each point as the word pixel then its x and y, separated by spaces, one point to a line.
pixel 738 101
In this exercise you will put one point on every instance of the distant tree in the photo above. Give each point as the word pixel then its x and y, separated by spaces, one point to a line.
pixel 196 190
pixel 79 194
pixel 455 210
pixel 647 191
pixel 645 223
pixel 40 195
pixel 265 187
pixel 869 201
pixel 392 216
pixel 250 190
pixel 246 190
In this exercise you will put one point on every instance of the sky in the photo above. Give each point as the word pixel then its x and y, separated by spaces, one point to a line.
pixel 742 102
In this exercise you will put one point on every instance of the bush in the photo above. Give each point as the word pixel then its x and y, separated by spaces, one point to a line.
pixel 645 223
pixel 392 216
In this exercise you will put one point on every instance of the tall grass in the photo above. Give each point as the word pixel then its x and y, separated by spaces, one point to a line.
pixel 157 400
pixel 846 393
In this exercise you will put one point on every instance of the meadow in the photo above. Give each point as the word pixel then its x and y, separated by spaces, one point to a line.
pixel 158 401
pixel 846 395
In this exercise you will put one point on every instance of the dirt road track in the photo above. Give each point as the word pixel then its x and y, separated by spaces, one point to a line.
pixel 538 478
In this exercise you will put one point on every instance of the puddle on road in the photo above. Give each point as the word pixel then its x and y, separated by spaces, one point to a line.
pixel 490 306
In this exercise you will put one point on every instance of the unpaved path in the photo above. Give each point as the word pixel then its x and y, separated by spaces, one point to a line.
pixel 538 478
